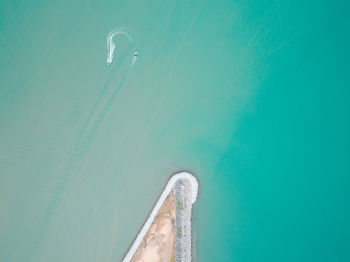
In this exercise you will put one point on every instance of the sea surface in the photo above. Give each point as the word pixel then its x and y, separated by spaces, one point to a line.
pixel 250 96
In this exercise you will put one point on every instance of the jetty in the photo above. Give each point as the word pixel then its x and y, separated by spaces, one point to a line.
pixel 166 235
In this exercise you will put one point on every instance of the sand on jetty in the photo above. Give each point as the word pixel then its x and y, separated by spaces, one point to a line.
pixel 158 244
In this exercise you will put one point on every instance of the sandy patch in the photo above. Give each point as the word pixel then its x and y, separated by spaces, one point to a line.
pixel 159 242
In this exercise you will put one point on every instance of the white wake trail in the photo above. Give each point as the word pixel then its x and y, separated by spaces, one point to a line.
pixel 111 42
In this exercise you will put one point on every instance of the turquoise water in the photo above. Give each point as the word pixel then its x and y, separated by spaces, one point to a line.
pixel 251 96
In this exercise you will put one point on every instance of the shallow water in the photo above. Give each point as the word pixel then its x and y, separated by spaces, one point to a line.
pixel 251 96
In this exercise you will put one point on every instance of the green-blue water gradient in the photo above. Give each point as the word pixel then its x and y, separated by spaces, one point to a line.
pixel 251 96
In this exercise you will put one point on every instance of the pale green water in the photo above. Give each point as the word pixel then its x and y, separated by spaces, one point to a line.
pixel 251 96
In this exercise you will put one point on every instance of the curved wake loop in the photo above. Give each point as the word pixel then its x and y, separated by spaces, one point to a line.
pixel 111 44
